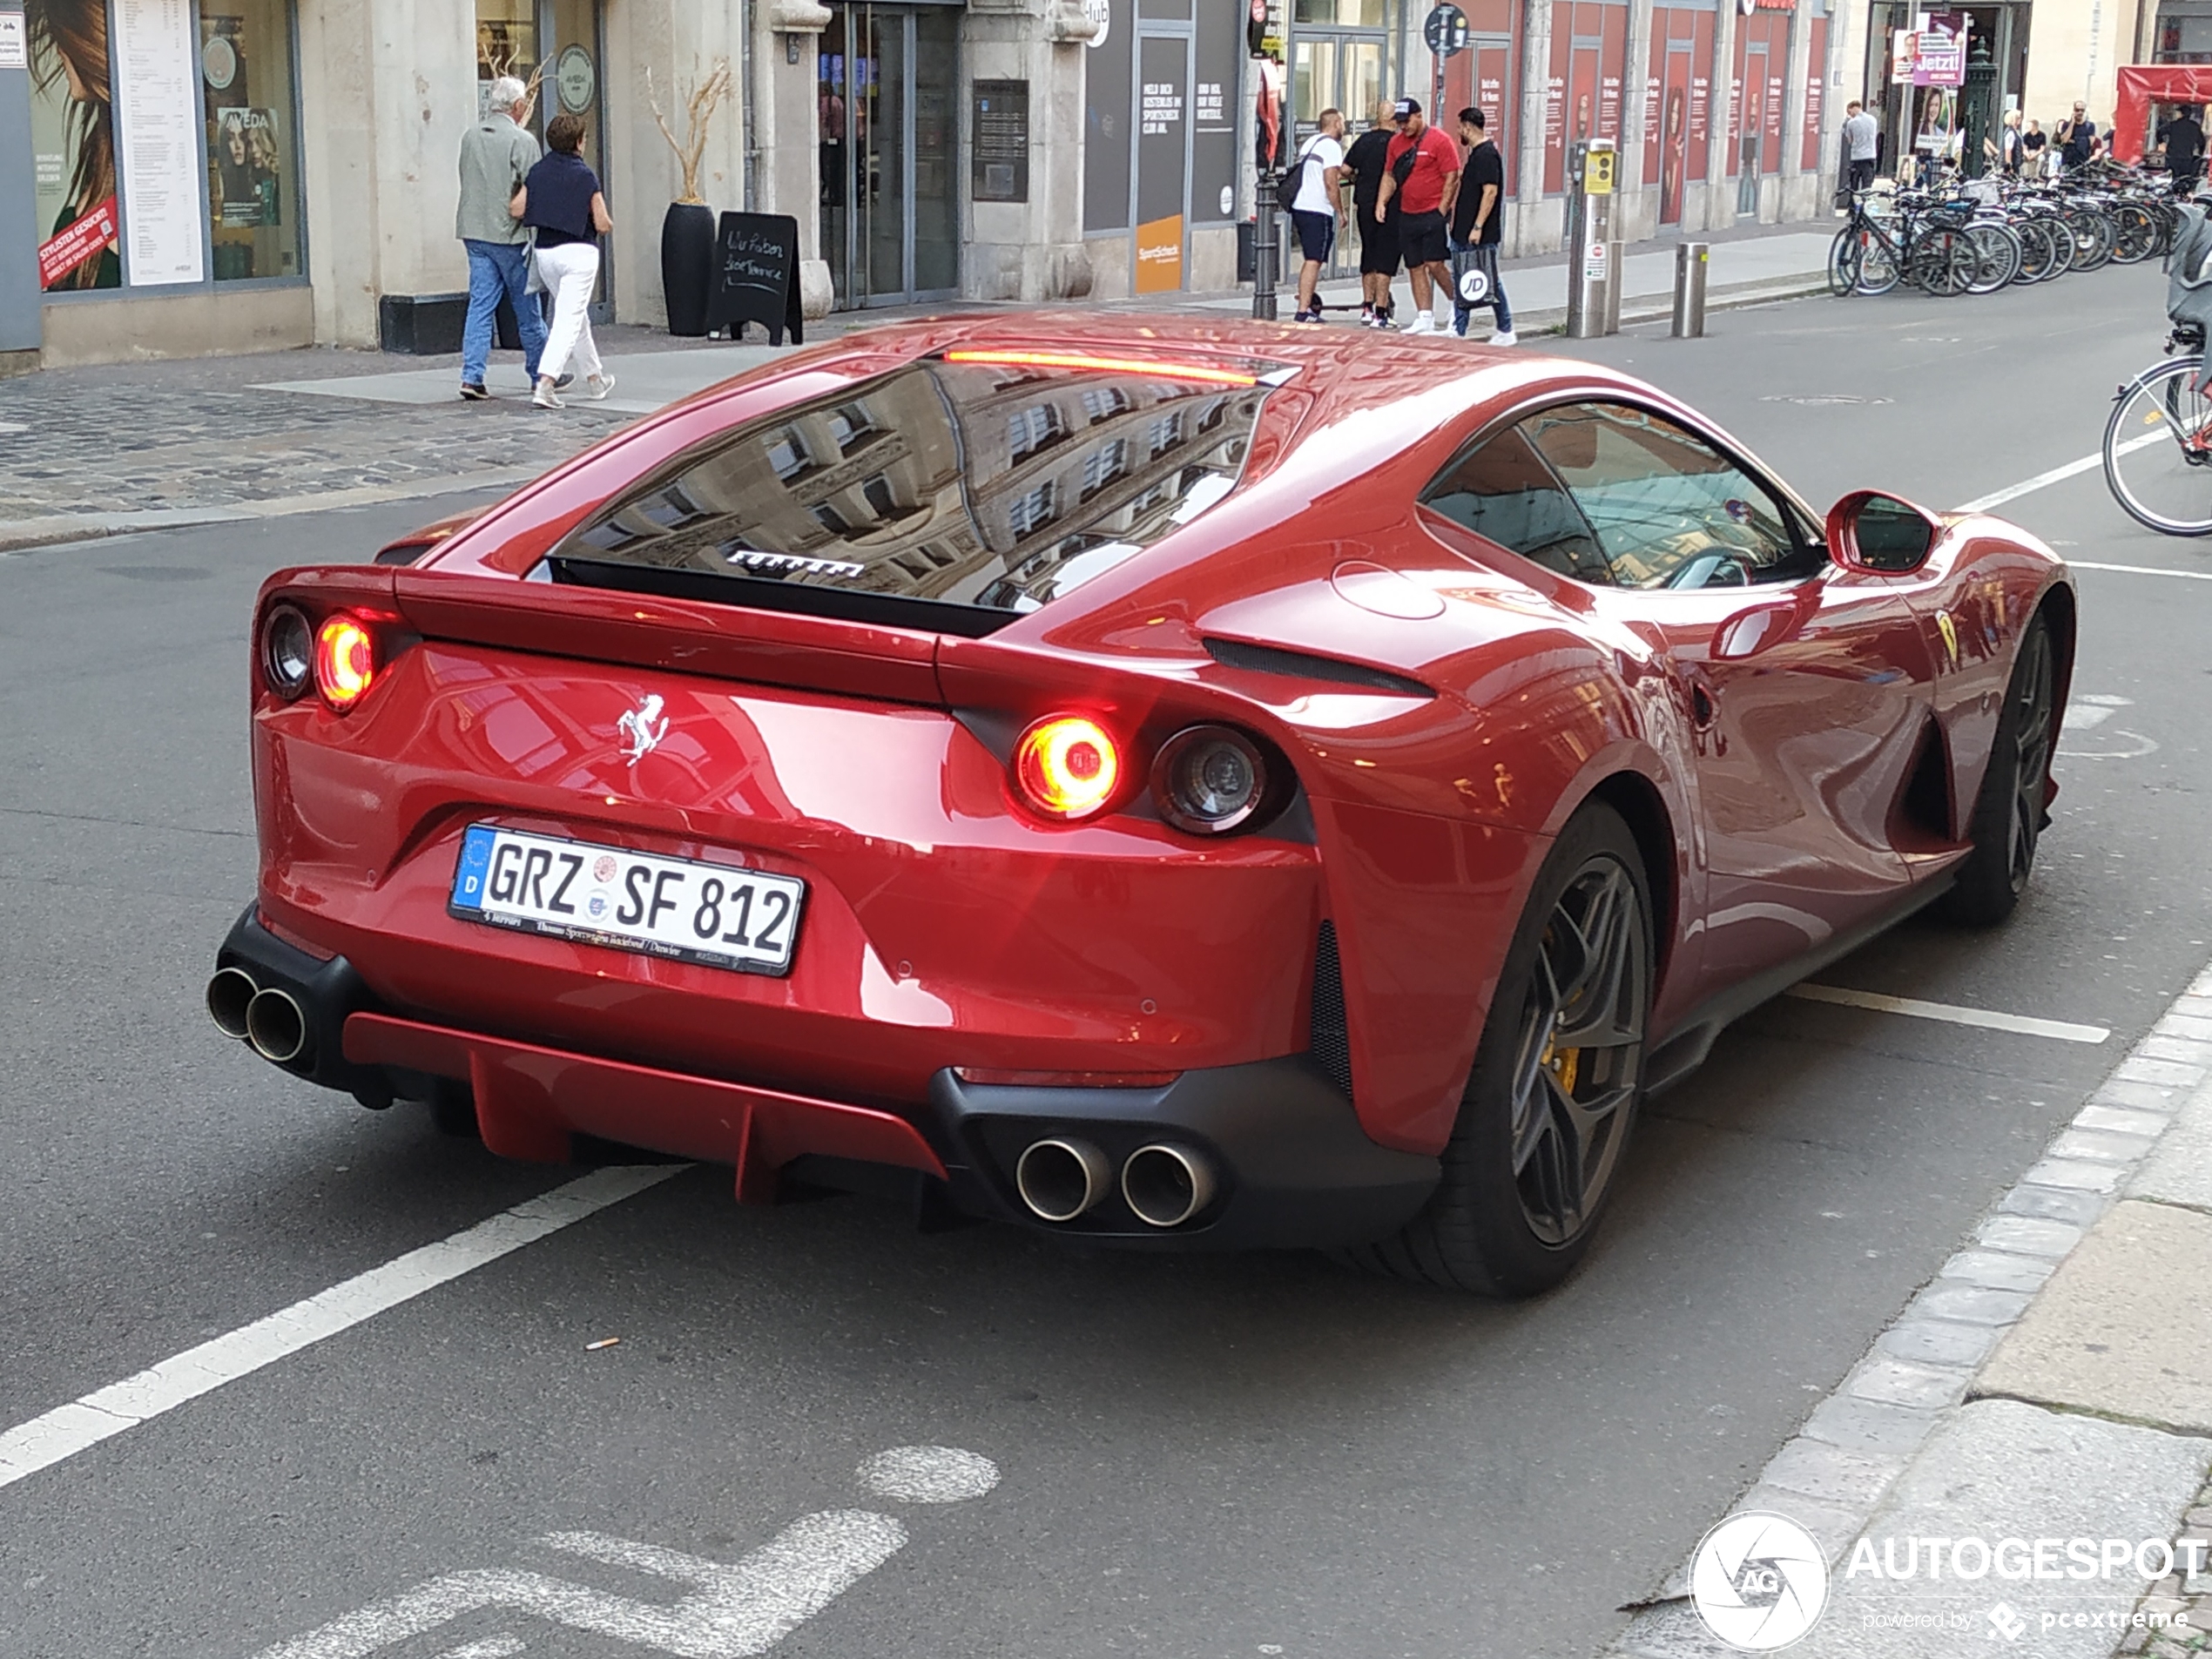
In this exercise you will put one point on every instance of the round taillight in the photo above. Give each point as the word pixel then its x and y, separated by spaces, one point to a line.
pixel 345 661
pixel 1208 779
pixel 1066 767
pixel 288 651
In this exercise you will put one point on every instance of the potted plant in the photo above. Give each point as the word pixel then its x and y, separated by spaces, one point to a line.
pixel 687 233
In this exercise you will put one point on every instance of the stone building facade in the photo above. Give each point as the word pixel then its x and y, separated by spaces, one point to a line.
pixel 190 176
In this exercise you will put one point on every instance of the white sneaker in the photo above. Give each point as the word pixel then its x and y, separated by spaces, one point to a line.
pixel 1423 324
pixel 545 397
pixel 598 386
pixel 1507 338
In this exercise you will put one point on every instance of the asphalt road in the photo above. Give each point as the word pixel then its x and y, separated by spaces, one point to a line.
pixel 1235 1456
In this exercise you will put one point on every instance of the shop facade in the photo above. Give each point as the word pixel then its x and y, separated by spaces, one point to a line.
pixel 1723 112
pixel 224 175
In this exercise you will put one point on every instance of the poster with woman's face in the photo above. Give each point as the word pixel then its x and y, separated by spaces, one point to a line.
pixel 246 169
pixel 72 141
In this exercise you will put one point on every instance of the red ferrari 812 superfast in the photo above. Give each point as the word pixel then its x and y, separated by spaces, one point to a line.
pixel 1176 783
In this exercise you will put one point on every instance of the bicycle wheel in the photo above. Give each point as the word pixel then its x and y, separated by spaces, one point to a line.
pixel 1941 261
pixel 1878 262
pixel 1997 256
pixel 2158 449
pixel 2135 232
pixel 2093 239
pixel 2039 252
pixel 1844 262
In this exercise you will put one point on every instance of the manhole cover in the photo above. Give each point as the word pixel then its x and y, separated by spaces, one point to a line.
pixel 1820 397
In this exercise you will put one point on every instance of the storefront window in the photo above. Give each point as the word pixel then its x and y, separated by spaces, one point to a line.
pixel 1341 14
pixel 252 181
pixel 506 45
pixel 133 106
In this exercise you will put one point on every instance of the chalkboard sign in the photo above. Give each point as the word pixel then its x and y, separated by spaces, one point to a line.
pixel 756 276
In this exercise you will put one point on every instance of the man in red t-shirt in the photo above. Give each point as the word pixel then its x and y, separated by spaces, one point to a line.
pixel 1420 182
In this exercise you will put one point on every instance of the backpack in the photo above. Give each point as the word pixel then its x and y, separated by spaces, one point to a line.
pixel 1293 179
pixel 2188 269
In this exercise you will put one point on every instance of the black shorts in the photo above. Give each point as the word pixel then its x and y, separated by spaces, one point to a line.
pixel 1421 239
pixel 1378 246
pixel 1316 234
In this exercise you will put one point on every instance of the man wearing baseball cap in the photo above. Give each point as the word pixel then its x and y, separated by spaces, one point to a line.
pixel 1421 180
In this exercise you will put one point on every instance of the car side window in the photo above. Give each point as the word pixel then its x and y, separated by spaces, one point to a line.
pixel 1669 509
pixel 1502 491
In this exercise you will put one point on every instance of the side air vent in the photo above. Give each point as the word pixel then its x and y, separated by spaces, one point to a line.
pixel 1330 1043
pixel 1297 664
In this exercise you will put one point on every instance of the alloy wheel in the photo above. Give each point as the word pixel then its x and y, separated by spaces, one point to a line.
pixel 1579 1056
pixel 2032 755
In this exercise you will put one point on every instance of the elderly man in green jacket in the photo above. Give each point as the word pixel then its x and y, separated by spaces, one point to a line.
pixel 496 154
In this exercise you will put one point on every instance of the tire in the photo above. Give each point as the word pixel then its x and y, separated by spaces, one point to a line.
pixel 1997 256
pixel 2092 240
pixel 1942 262
pixel 1844 262
pixel 2009 812
pixel 2136 233
pixel 2039 252
pixel 1877 263
pixel 2165 486
pixel 1524 1186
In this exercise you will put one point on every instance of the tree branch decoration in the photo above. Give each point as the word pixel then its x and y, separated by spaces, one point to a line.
pixel 705 98
pixel 502 63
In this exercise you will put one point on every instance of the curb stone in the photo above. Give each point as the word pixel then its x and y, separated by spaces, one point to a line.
pixel 1859 1449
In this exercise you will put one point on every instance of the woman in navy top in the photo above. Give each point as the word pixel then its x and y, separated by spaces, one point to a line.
pixel 562 202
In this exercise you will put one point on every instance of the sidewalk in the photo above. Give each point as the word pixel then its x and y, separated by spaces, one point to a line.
pixel 2053 1383
pixel 94 452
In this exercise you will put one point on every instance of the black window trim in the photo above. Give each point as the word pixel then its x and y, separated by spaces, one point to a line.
pixel 1807 528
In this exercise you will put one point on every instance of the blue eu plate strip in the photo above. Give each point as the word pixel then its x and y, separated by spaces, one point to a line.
pixel 475 863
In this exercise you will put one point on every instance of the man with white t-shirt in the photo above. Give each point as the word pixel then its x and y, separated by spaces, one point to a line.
pixel 1318 208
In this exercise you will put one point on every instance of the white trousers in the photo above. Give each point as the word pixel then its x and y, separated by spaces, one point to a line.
pixel 570 272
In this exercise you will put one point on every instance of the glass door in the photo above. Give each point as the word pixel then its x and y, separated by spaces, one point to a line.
pixel 885 82
pixel 510 37
pixel 1336 71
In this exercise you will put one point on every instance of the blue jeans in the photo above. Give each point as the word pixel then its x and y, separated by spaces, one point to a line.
pixel 495 268
pixel 1497 299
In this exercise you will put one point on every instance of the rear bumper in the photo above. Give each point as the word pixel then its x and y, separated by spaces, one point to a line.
pixel 1295 1169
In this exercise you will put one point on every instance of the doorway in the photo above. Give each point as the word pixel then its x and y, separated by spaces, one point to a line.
pixel 885 81
pixel 1337 71
pixel 556 44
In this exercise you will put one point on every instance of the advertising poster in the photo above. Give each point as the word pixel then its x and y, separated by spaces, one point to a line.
pixel 1815 82
pixel 157 120
pixel 72 141
pixel 1162 72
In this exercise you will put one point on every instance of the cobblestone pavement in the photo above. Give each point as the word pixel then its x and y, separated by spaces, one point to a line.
pixel 139 437
pixel 2181 1606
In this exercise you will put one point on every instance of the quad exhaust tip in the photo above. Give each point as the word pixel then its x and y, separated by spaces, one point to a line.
pixel 276 1026
pixel 1164 1185
pixel 1060 1179
pixel 228 995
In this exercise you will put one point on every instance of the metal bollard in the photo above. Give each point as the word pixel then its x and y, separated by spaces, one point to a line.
pixel 1690 290
pixel 1616 279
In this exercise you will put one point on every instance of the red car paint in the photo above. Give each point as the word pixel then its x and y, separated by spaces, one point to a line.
pixel 1760 735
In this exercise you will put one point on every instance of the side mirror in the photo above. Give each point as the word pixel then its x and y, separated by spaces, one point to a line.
pixel 1878 535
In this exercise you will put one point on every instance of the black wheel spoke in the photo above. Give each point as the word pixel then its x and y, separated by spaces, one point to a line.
pixel 1580 1057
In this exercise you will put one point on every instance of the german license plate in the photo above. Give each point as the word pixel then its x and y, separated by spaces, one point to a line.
pixel 680 908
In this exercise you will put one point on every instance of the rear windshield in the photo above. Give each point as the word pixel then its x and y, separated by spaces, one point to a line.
pixel 946 496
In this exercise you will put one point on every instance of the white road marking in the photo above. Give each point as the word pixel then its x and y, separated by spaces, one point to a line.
pixel 2027 486
pixel 67 1430
pixel 928 1474
pixel 2020 1024
pixel 733 1611
pixel 2141 569
pixel 2086 711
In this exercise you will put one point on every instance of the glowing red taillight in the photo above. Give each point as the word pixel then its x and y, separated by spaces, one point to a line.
pixel 1066 767
pixel 345 660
